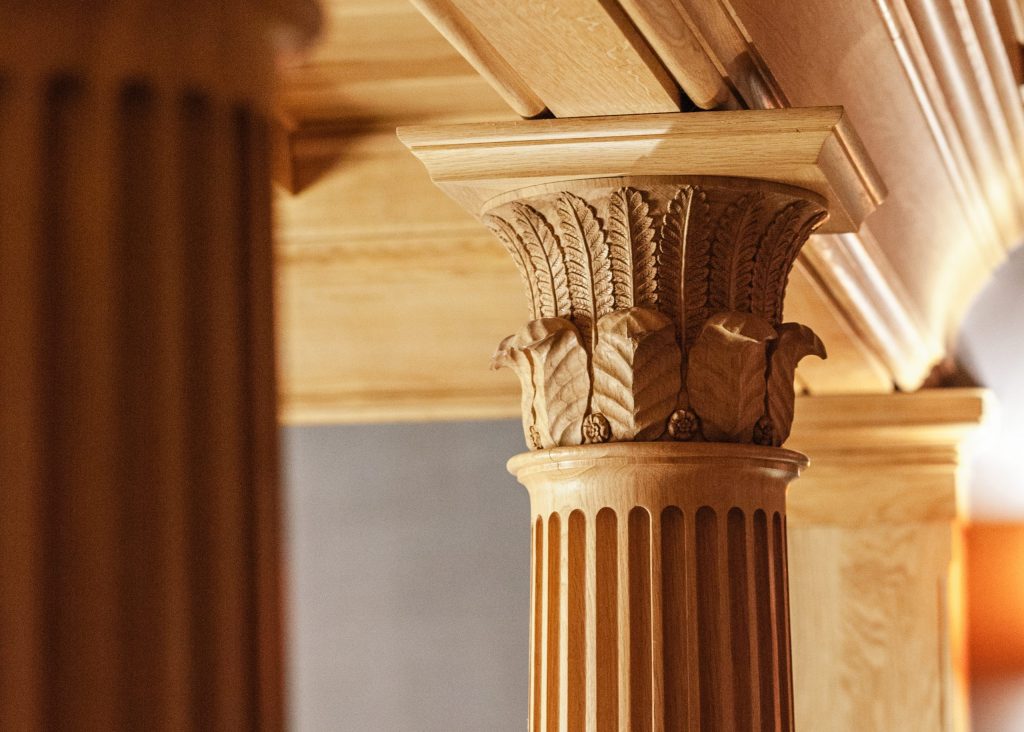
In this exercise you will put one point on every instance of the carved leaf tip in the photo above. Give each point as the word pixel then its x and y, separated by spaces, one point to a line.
pixel 795 342
pixel 553 370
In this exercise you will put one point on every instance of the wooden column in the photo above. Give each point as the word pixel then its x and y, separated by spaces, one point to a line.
pixel 657 381
pixel 875 561
pixel 139 582
pixel 659 586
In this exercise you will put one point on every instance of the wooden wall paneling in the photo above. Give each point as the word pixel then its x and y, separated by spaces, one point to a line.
pixel 874 560
pixel 380 62
pixel 604 65
pixel 378 269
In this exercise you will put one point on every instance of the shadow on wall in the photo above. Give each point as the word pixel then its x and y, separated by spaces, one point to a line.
pixel 408 578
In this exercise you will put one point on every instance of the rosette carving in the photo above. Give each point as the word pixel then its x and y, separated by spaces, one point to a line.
pixel 657 310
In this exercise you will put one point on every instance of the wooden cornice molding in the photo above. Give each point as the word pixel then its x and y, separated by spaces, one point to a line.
pixel 655 252
pixel 814 149
pixel 884 458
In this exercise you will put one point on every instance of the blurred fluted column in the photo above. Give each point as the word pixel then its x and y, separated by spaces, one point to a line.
pixel 875 561
pixel 658 389
pixel 139 579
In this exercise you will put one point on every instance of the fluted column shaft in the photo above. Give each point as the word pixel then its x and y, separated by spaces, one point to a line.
pixel 138 461
pixel 659 587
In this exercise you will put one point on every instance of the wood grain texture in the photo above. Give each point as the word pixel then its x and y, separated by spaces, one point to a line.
pixel 359 278
pixel 138 448
pixel 709 350
pixel 470 42
pixel 674 550
pixel 873 567
pixel 605 65
pixel 381 62
pixel 669 30
pixel 808 148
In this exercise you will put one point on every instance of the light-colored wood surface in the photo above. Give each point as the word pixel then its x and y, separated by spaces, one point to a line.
pixel 659 592
pixel 138 442
pixel 665 320
pixel 360 315
pixel 669 30
pixel 874 564
pixel 884 300
pixel 604 65
pixel 816 149
pixel 476 49
pixel 380 62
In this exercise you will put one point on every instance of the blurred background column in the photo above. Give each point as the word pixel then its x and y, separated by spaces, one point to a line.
pixel 138 460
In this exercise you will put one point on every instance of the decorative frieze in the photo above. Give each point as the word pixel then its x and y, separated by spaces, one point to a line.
pixel 656 309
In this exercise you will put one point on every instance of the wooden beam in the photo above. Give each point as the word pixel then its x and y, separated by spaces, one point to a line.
pixel 605 66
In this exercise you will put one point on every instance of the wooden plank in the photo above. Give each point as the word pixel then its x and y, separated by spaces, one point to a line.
pixel 482 55
pixel 581 57
pixel 380 61
pixel 670 32
pixel 391 297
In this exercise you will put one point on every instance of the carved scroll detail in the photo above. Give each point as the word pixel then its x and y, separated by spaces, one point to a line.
pixel 657 311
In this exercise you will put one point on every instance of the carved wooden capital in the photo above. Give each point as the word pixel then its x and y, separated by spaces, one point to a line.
pixel 655 251
pixel 656 309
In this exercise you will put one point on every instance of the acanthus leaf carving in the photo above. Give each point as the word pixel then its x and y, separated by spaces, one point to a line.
pixel 733 249
pixel 547 354
pixel 770 263
pixel 631 249
pixel 794 343
pixel 636 372
pixel 586 257
pixel 725 377
pixel 514 245
pixel 667 329
pixel 547 262
pixel 696 257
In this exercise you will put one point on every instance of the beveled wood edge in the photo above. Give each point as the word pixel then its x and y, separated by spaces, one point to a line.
pixel 482 56
pixel 847 425
pixel 456 156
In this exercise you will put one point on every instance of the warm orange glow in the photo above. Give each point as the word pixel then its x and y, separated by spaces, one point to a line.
pixel 995 598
